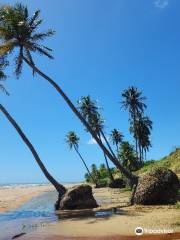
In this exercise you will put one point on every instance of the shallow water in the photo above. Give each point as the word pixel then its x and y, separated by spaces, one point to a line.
pixel 36 213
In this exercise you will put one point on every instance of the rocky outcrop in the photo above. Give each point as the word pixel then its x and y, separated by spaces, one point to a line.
pixel 79 197
pixel 159 186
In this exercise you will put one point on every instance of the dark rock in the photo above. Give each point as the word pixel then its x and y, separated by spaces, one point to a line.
pixel 79 197
pixel 117 183
pixel 159 186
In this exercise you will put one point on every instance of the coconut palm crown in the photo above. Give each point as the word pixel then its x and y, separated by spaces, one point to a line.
pixel 133 101
pixel 116 136
pixel 19 31
pixel 72 140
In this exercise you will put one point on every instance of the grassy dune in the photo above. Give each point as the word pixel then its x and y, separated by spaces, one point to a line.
pixel 172 161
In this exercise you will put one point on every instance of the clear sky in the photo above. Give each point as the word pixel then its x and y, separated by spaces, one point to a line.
pixel 100 48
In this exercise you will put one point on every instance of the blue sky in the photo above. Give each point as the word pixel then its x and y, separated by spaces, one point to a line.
pixel 100 48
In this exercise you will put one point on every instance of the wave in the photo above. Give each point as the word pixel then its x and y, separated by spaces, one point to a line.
pixel 21 185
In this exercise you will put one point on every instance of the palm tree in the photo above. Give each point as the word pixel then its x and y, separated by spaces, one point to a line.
pixel 90 112
pixel 127 156
pixel 95 172
pixel 19 31
pixel 73 141
pixel 143 131
pixel 133 101
pixel 60 188
pixel 116 138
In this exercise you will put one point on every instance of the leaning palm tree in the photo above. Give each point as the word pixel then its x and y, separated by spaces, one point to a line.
pixel 96 122
pixel 89 110
pixel 73 141
pixel 133 101
pixel 116 138
pixel 19 34
pixel 60 188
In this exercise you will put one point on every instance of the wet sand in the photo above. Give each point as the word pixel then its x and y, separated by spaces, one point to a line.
pixel 118 225
pixel 124 222
pixel 13 197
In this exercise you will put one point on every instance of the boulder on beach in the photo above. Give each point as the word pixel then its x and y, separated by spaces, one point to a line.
pixel 160 186
pixel 79 197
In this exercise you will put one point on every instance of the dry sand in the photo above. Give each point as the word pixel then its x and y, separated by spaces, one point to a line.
pixel 14 197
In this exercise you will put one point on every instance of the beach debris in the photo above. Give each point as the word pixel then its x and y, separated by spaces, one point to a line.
pixel 78 197
pixel 159 186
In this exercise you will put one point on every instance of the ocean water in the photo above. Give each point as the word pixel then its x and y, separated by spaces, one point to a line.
pixel 22 185
pixel 37 212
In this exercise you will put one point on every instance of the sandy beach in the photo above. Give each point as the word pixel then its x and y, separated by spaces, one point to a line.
pixel 77 224
pixel 13 197
pixel 123 222
pixel 88 225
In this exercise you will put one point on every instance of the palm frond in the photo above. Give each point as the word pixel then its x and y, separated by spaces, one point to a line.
pixel 6 47
pixel 34 17
pixel 42 36
pixel 30 59
pixel 18 30
pixel 42 51
pixel 19 63
pixel 3 89
pixel 5 33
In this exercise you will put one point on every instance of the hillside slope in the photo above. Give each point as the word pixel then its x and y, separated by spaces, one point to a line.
pixel 172 161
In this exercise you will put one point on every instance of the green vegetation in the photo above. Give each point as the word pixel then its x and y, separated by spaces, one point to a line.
pixel 172 161
pixel 101 174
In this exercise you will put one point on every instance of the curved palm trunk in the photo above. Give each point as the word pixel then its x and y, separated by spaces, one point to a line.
pixel 130 176
pixel 108 168
pixel 60 188
pixel 106 141
pixel 95 182
pixel 105 157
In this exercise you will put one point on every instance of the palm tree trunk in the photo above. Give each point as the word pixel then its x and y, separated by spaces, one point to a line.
pixel 60 188
pixel 109 146
pixel 140 153
pixel 129 175
pixel 108 168
pixel 117 149
pixel 134 122
pixel 95 182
